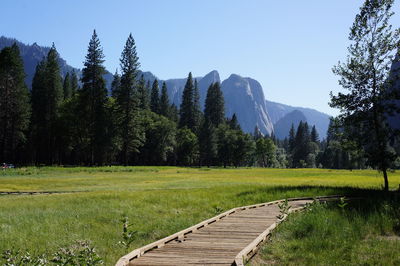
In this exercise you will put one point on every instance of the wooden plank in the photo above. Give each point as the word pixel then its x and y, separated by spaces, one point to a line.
pixel 226 238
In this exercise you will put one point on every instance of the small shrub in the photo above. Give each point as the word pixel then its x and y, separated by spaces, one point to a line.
pixel 342 203
pixel 128 235
pixel 218 210
pixel 284 208
pixel 16 257
pixel 80 253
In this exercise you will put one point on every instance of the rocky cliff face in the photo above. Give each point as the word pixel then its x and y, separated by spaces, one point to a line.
pixel 245 98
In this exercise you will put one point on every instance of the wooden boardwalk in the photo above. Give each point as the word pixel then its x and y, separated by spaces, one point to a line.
pixel 227 239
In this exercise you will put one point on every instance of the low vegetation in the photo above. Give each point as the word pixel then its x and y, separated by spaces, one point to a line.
pixel 364 232
pixel 158 201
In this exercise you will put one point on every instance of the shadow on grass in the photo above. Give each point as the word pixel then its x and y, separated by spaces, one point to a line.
pixel 365 200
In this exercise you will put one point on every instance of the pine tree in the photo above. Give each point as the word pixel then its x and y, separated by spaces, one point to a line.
pixel 292 134
pixel 130 132
pixel 164 101
pixel 214 105
pixel 174 113
pixel 67 86
pixel 186 109
pixel 208 143
pixel 314 135
pixel 257 133
pixel 233 123
pixel 155 98
pixel 143 94
pixel 115 84
pixel 92 105
pixel 47 96
pixel 74 83
pixel 14 105
pixel 197 114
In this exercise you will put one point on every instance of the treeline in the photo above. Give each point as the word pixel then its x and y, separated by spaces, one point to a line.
pixel 304 149
pixel 72 121
pixel 76 122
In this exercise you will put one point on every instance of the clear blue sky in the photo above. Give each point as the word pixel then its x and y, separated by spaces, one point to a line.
pixel 288 46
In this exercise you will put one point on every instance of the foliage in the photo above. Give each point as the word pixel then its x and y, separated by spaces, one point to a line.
pixel 187 147
pixel 92 115
pixel 128 235
pixel 214 110
pixel 47 96
pixel 284 209
pixel 190 108
pixel 126 113
pixel 155 98
pixel 363 233
pixel 164 102
pixel 365 75
pixel 80 253
pixel 14 104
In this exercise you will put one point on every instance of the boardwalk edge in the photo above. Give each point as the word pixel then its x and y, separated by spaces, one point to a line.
pixel 242 256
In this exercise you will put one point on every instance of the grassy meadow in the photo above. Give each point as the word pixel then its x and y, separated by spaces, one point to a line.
pixel 157 200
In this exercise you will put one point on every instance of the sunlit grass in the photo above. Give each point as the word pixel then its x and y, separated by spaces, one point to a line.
pixel 157 200
pixel 365 232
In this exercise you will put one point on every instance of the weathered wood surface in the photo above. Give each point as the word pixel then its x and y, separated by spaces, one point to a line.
pixel 227 239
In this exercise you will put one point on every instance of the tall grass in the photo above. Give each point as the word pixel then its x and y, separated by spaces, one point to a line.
pixel 158 201
pixel 365 232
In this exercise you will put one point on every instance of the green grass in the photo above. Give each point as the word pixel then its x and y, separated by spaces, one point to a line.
pixel 158 200
pixel 365 232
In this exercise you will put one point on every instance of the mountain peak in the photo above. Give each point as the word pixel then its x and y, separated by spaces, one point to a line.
pixel 213 75
pixel 235 76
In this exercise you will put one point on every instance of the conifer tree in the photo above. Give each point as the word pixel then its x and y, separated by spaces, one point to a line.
pixel 186 109
pixel 292 134
pixel 130 132
pixel 233 123
pixel 257 133
pixel 208 143
pixel 74 83
pixel 92 105
pixel 143 94
pixel 14 104
pixel 155 98
pixel 214 105
pixel 115 84
pixel 197 114
pixel 67 86
pixel 174 113
pixel 164 101
pixel 47 95
pixel 314 135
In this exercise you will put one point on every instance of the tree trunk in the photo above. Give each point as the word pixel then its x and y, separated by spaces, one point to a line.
pixel 385 177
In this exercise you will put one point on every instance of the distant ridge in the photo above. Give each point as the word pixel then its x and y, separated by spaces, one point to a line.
pixel 313 117
pixel 34 53
pixel 283 125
